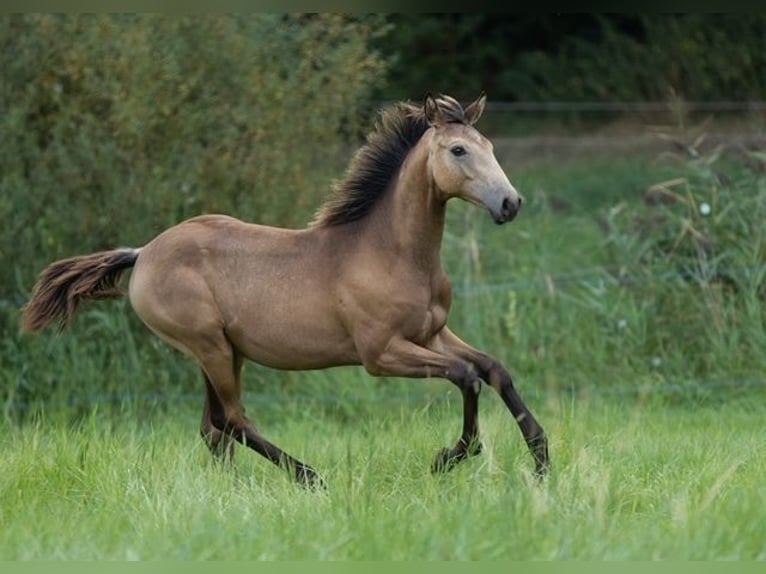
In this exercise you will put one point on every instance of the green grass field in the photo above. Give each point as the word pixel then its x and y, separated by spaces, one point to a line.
pixel 632 479
pixel 635 332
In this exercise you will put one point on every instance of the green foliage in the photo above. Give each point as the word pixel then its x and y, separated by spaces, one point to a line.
pixel 581 57
pixel 614 282
pixel 695 251
pixel 117 126
pixel 117 130
pixel 617 275
pixel 697 56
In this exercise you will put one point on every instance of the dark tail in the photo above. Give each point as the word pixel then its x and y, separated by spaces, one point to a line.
pixel 65 284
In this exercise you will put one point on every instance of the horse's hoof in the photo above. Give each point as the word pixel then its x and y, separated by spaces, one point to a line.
pixel 309 479
pixel 446 459
pixel 475 448
pixel 542 470
pixel 542 459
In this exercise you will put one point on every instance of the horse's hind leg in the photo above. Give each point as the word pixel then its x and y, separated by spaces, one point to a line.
pixel 220 444
pixel 222 368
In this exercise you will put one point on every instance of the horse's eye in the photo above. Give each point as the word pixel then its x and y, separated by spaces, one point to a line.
pixel 458 150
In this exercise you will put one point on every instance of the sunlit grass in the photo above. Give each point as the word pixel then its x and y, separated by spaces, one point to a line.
pixel 635 479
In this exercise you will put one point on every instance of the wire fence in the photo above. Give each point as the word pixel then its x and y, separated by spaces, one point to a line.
pixel 612 106
pixel 604 277
pixel 696 388
pixel 627 107
pixel 600 277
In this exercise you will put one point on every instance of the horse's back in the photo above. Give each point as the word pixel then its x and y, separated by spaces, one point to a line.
pixel 270 290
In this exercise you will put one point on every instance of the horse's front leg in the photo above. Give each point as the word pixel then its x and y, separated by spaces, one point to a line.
pixel 403 358
pixel 494 374
pixel 469 443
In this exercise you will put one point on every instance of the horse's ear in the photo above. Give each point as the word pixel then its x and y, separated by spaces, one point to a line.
pixel 431 110
pixel 473 111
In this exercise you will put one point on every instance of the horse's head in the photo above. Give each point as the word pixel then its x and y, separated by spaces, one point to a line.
pixel 462 162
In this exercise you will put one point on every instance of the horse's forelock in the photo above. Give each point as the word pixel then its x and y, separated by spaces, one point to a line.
pixel 450 110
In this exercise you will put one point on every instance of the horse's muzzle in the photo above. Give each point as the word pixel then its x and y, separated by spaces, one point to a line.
pixel 508 210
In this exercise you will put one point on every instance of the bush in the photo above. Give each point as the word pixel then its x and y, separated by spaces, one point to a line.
pixel 580 57
pixel 698 57
pixel 116 127
pixel 695 255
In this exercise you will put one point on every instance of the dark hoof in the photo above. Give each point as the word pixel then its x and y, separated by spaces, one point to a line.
pixel 447 458
pixel 539 449
pixel 309 479
pixel 475 448
pixel 542 470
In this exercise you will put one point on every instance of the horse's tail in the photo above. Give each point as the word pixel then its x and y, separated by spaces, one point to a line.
pixel 65 283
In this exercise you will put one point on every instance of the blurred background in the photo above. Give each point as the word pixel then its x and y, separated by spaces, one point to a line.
pixel 638 265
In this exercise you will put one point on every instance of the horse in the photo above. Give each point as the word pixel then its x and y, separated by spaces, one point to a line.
pixel 362 284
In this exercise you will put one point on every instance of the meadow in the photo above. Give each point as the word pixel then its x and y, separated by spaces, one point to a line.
pixel 631 316
pixel 632 480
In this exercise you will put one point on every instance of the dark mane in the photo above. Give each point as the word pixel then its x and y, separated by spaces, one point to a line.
pixel 398 130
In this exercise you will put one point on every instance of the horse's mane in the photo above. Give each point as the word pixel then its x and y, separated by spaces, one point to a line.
pixel 398 130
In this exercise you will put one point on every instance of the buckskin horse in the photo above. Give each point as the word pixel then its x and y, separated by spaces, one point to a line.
pixel 363 284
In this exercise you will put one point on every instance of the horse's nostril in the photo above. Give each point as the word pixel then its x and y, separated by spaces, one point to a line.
pixel 507 207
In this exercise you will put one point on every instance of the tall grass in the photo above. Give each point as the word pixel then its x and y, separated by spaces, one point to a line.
pixel 632 480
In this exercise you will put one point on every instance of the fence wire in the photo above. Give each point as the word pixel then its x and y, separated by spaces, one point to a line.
pixel 685 388
pixel 627 107
pixel 591 277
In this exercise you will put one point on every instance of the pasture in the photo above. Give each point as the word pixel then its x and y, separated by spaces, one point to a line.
pixel 632 479
pixel 635 332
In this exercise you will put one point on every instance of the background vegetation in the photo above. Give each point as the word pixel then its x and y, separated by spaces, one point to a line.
pixel 164 118
pixel 580 57
pixel 628 299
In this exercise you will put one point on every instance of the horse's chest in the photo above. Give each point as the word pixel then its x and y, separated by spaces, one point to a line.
pixel 433 316
pixel 433 322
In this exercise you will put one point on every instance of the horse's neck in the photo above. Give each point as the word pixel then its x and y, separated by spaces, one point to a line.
pixel 413 215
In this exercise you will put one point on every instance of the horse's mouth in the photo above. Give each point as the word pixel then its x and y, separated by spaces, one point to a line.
pixel 501 218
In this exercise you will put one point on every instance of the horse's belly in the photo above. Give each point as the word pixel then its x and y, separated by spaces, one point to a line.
pixel 292 344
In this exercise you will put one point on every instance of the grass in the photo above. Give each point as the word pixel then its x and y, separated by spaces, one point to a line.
pixel 633 479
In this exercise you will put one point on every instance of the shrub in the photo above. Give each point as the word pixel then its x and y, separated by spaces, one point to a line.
pixel 116 127
pixel 695 254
